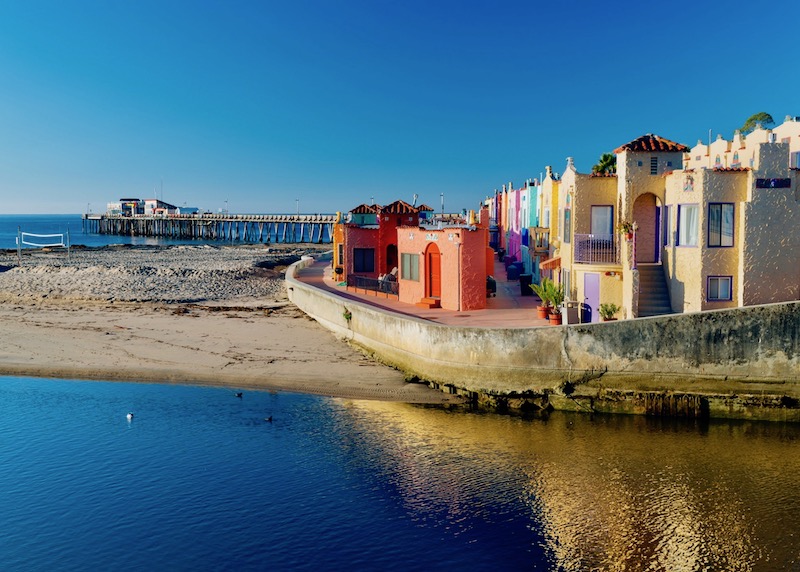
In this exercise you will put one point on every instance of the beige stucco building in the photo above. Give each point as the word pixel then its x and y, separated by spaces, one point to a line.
pixel 734 236
pixel 714 226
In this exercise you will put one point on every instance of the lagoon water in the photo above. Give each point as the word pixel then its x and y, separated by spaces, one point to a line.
pixel 200 480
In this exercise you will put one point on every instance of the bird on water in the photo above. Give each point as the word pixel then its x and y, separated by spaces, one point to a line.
pixel 238 394
pixel 129 416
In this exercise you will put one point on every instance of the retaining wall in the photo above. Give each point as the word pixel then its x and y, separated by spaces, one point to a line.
pixel 741 362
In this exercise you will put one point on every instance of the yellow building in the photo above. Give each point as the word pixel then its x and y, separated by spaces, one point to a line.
pixel 711 227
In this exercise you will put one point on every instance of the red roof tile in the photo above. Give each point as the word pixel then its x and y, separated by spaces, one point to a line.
pixel 365 209
pixel 399 207
pixel 424 207
pixel 731 169
pixel 651 143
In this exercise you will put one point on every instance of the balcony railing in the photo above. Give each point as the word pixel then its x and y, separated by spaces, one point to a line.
pixel 364 283
pixel 597 248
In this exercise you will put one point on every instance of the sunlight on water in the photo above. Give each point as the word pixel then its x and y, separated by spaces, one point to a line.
pixel 200 479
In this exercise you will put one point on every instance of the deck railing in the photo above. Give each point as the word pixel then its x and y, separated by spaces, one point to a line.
pixel 597 248
pixel 364 283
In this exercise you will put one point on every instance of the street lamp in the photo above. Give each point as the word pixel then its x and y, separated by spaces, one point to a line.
pixel 442 195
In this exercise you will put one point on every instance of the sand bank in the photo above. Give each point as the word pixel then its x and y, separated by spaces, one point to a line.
pixel 187 314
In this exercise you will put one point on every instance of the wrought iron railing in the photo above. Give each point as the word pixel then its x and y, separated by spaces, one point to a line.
pixel 597 248
pixel 364 283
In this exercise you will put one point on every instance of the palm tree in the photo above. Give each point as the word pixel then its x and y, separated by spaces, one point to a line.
pixel 762 117
pixel 606 165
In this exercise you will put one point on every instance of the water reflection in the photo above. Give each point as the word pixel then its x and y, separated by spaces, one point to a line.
pixel 606 493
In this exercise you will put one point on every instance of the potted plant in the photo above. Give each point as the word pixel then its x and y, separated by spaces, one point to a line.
pixel 626 227
pixel 543 291
pixel 557 299
pixel 607 312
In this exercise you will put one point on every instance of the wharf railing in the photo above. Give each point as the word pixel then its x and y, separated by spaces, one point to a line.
pixel 596 248
pixel 231 227
pixel 373 284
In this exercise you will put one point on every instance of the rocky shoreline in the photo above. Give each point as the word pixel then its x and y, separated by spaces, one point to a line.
pixel 168 274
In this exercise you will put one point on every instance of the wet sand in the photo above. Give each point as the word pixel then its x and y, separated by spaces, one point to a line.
pixel 186 314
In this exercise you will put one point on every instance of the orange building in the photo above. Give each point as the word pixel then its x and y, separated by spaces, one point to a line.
pixel 392 251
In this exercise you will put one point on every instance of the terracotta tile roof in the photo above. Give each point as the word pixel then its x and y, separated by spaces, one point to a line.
pixel 731 169
pixel 651 143
pixel 551 263
pixel 399 207
pixel 603 175
pixel 365 209
pixel 424 207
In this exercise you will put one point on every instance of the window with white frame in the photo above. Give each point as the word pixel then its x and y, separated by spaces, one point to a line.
pixel 602 219
pixel 719 288
pixel 720 224
pixel 409 266
pixel 687 225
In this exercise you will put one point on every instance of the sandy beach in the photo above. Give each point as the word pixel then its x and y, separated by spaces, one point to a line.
pixel 215 315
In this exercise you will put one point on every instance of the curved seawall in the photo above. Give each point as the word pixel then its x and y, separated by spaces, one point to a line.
pixel 730 363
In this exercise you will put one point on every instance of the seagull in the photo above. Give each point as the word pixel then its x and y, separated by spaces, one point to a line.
pixel 129 416
pixel 268 419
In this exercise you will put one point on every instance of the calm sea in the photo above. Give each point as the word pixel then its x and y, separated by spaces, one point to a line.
pixel 62 224
pixel 73 224
pixel 199 480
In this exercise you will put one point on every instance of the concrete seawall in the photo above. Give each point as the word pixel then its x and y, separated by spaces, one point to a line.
pixel 741 363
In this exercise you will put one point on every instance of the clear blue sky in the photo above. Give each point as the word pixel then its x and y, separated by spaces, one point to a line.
pixel 336 102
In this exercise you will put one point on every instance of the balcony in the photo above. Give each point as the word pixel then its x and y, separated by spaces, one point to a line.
pixel 373 286
pixel 596 249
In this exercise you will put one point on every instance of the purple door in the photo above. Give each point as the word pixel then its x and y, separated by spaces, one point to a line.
pixel 657 254
pixel 591 291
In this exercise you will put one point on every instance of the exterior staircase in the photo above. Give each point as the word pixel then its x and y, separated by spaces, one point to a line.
pixel 653 293
pixel 429 303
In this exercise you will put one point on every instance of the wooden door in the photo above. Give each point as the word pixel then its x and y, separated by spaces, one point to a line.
pixel 434 267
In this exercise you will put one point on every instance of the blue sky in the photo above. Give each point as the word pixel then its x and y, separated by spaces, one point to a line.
pixel 335 103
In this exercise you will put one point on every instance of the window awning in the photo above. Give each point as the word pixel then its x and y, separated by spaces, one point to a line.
pixel 551 263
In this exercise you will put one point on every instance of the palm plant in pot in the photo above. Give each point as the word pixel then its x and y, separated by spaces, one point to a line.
pixel 607 311
pixel 557 299
pixel 543 291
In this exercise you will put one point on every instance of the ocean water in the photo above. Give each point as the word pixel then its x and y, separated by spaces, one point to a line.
pixel 73 224
pixel 200 480
pixel 67 223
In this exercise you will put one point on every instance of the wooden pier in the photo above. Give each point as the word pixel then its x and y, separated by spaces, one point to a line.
pixel 229 227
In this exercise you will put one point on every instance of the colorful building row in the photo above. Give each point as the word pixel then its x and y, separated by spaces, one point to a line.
pixel 404 252
pixel 673 230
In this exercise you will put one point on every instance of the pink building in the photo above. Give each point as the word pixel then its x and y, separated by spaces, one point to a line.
pixel 446 265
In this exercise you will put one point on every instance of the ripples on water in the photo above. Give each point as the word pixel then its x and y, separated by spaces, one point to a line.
pixel 200 480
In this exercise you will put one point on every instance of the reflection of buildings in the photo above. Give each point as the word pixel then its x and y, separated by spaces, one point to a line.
pixel 607 493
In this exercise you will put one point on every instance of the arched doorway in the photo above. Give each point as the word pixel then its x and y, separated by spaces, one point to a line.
pixel 391 258
pixel 647 215
pixel 433 272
